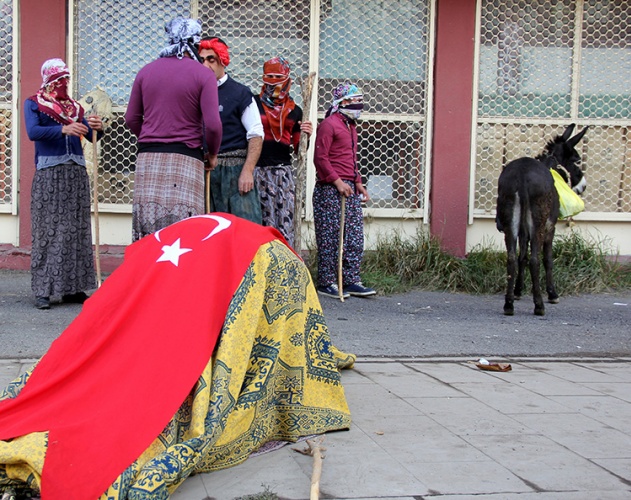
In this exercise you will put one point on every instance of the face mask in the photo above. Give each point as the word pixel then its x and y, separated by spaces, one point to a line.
pixel 61 88
pixel 353 114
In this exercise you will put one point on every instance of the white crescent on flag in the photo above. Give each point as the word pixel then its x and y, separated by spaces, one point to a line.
pixel 172 253
pixel 222 223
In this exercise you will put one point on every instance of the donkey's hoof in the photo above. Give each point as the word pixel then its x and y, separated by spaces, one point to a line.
pixel 553 300
pixel 508 311
pixel 540 311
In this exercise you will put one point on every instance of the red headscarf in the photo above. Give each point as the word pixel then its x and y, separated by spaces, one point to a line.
pixel 219 47
pixel 52 98
pixel 275 94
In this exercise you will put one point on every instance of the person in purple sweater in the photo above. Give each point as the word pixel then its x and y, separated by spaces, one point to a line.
pixel 172 99
pixel 337 175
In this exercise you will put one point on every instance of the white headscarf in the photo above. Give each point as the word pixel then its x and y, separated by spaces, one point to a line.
pixel 184 34
pixel 52 70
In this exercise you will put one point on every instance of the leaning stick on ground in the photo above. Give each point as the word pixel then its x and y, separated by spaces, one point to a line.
pixel 301 168
pixel 316 450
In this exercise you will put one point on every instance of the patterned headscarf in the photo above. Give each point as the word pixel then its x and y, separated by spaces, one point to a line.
pixel 345 92
pixel 52 97
pixel 52 70
pixel 275 94
pixel 184 35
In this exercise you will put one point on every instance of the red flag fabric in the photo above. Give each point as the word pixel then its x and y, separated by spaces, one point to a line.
pixel 111 382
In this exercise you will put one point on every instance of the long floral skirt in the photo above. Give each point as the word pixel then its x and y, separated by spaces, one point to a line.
pixel 62 261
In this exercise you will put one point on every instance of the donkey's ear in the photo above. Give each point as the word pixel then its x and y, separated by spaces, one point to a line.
pixel 568 132
pixel 574 140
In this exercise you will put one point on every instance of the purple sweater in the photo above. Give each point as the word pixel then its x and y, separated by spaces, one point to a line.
pixel 170 101
pixel 336 150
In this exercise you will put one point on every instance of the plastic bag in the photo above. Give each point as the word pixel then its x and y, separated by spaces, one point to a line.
pixel 570 203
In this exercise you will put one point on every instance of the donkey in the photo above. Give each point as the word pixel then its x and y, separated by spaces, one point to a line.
pixel 527 211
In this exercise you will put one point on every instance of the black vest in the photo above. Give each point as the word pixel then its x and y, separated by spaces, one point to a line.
pixel 234 98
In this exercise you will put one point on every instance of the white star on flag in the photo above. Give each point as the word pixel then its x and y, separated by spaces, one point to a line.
pixel 172 253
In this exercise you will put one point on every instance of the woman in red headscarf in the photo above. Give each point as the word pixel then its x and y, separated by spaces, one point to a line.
pixel 61 259
pixel 282 124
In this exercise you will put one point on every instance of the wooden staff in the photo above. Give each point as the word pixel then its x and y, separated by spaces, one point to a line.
pixel 301 167
pixel 340 250
pixel 95 183
pixel 99 104
pixel 316 450
pixel 207 189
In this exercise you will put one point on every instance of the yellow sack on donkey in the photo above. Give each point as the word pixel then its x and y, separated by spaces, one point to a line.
pixel 571 203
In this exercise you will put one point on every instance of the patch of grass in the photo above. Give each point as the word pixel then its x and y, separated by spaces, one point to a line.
pixel 267 494
pixel 398 265
pixel 582 266
pixel 484 271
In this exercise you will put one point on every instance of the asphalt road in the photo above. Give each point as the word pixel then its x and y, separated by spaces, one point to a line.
pixel 415 324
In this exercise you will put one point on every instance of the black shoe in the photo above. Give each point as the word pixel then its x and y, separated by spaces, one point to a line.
pixel 359 290
pixel 42 302
pixel 75 298
pixel 332 291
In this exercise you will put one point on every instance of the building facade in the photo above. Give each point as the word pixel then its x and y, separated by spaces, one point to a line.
pixel 454 90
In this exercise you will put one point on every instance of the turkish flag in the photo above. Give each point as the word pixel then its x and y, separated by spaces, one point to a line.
pixel 114 378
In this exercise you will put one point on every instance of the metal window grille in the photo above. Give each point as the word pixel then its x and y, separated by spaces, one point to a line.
pixel 6 102
pixel 111 42
pixel 545 64
pixel 383 46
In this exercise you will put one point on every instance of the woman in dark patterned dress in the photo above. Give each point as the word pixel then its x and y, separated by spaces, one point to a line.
pixel 61 257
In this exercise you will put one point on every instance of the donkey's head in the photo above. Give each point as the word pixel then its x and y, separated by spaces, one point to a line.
pixel 562 149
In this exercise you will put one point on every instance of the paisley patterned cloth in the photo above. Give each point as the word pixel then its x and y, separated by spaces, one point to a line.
pixel 277 188
pixel 274 376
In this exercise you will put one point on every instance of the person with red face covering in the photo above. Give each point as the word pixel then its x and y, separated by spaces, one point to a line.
pixel 282 124
pixel 61 257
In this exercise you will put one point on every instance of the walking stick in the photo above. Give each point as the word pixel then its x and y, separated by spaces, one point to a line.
pixel 99 104
pixel 340 250
pixel 301 167
pixel 207 189
pixel 95 184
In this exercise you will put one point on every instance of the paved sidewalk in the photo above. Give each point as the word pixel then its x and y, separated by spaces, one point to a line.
pixel 442 428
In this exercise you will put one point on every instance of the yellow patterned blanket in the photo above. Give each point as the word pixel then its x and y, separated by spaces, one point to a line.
pixel 274 376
